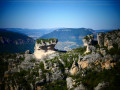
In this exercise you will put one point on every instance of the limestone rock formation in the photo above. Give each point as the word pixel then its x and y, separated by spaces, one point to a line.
pixel 83 64
pixel 100 39
pixel 28 55
pixel 89 41
pixel 56 73
pixel 44 47
pixel 109 39
pixel 91 57
pixel 108 64
pixel 69 81
pixel 80 87
pixel 101 86
pixel 74 69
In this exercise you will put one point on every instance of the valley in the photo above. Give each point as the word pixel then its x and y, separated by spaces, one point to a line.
pixel 92 67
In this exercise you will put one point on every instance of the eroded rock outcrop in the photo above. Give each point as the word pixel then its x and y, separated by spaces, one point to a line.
pixel 109 39
pixel 101 86
pixel 80 87
pixel 89 41
pixel 100 39
pixel 74 69
pixel 69 81
pixel 44 47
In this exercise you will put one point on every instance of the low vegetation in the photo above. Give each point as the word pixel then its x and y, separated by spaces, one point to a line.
pixel 46 40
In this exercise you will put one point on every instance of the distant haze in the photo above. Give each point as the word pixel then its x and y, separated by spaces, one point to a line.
pixel 37 14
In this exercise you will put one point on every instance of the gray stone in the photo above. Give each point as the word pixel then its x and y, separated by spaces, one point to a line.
pixel 47 77
pixel 92 57
pixel 103 51
pixel 80 87
pixel 66 70
pixel 89 42
pixel 69 81
pixel 101 85
pixel 100 39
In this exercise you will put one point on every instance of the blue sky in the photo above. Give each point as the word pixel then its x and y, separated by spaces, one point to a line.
pixel 95 14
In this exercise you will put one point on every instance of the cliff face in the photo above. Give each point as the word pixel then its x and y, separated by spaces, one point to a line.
pixel 44 47
pixel 7 37
pixel 109 40
pixel 5 40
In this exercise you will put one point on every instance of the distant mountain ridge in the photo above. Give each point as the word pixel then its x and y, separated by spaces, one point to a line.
pixel 20 39
pixel 69 37
pixel 33 33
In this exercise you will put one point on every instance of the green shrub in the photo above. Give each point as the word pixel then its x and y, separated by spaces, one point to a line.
pixel 80 50
pixel 58 85
pixel 32 60
pixel 114 50
pixel 46 40
pixel 41 65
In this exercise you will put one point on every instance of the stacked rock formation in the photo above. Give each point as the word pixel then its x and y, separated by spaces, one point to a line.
pixel 44 47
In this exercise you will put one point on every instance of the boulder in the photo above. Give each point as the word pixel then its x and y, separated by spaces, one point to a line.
pixel 69 81
pixel 80 87
pixel 29 57
pixel 101 86
pixel 83 64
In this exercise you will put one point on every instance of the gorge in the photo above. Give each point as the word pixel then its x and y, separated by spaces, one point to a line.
pixel 93 67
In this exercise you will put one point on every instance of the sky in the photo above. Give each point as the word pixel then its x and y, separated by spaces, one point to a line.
pixel 38 14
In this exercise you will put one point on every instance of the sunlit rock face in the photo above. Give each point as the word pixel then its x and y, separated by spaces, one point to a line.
pixel 44 47
pixel 74 69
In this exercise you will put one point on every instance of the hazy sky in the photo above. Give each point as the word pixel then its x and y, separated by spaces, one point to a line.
pixel 95 14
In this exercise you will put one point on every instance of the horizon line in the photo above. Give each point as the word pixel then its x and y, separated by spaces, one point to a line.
pixel 58 28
